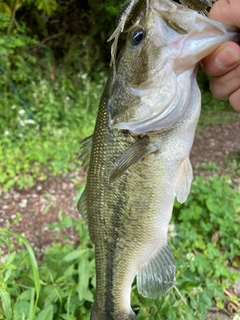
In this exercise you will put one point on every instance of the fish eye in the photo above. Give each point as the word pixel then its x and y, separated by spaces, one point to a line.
pixel 136 36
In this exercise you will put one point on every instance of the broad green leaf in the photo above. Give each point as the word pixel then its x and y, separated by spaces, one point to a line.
pixel 6 304
pixel 21 310
pixel 25 295
pixel 32 260
pixel 68 316
pixel 74 255
pixel 84 274
pixel 11 257
pixel 4 8
pixel 48 6
pixel 46 314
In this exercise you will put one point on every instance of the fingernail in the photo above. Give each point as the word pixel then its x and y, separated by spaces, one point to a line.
pixel 227 58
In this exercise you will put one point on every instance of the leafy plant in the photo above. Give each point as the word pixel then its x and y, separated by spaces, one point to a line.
pixel 44 129
pixel 51 290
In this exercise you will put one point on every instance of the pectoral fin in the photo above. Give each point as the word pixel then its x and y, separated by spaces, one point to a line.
pixel 184 180
pixel 86 152
pixel 135 153
pixel 158 275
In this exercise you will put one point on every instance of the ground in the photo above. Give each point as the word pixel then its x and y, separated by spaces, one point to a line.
pixel 42 203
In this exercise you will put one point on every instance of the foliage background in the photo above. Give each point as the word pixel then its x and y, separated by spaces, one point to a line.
pixel 54 60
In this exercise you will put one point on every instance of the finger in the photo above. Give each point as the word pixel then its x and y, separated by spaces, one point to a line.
pixel 223 86
pixel 234 100
pixel 224 59
pixel 226 12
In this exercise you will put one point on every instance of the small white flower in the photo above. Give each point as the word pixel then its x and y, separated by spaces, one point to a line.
pixel 3 259
pixel 21 122
pixel 190 256
pixel 30 121
pixel 67 98
pixel 43 81
pixel 6 133
pixel 20 135
pixel 21 112
pixel 13 107
pixel 236 317
pixel 82 75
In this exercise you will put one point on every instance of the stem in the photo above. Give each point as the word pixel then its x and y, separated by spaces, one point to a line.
pixel 14 9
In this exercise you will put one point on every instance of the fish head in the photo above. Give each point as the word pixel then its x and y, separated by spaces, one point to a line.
pixel 142 52
pixel 155 75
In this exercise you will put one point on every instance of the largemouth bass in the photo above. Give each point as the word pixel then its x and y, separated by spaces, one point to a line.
pixel 138 156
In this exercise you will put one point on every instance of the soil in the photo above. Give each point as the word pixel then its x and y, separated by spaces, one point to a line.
pixel 41 204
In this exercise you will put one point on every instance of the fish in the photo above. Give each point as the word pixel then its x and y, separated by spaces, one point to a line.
pixel 198 5
pixel 137 159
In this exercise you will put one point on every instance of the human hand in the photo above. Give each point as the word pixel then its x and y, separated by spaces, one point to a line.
pixel 223 65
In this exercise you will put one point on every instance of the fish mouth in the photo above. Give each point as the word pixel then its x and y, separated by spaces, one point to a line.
pixel 198 35
pixel 183 37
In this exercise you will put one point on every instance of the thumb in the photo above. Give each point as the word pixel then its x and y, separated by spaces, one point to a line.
pixel 225 58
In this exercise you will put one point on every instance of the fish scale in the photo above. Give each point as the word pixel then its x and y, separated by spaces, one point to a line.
pixel 138 156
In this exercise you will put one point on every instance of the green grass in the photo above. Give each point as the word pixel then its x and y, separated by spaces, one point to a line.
pixel 48 144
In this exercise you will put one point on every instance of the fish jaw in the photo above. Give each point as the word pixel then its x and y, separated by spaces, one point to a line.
pixel 181 37
pixel 160 99
pixel 198 35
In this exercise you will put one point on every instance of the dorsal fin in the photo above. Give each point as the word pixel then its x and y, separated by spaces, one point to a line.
pixel 137 7
pixel 127 15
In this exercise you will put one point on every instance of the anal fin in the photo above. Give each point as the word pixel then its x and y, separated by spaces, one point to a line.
pixel 158 275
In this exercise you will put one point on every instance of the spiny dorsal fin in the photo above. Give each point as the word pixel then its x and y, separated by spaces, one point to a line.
pixel 198 5
pixel 137 6
pixel 183 181
pixel 86 152
pixel 125 18
pixel 135 153
pixel 158 275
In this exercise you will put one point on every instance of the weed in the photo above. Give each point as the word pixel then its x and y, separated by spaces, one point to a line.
pixel 209 166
